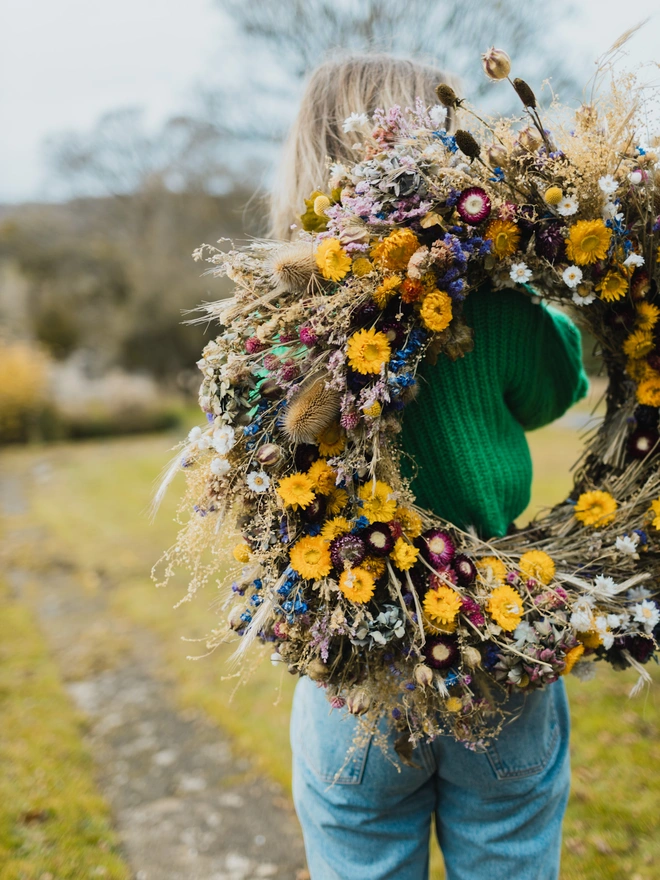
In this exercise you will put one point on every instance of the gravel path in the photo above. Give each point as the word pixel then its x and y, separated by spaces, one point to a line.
pixel 185 806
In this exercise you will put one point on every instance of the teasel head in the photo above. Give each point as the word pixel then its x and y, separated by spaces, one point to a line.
pixel 525 93
pixel 447 96
pixel 311 411
pixel 293 266
pixel 467 144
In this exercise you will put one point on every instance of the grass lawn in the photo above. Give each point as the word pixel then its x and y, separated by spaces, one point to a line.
pixel 53 823
pixel 91 500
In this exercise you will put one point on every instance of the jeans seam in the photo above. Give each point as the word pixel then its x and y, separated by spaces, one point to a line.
pixel 502 773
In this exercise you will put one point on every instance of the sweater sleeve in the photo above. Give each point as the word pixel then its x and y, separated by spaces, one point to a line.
pixel 546 376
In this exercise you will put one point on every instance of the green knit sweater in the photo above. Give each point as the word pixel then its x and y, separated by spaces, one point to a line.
pixel 466 429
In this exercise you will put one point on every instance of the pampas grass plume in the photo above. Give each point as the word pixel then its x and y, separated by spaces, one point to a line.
pixel 311 411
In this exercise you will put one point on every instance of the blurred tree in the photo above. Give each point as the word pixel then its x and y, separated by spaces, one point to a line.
pixel 294 35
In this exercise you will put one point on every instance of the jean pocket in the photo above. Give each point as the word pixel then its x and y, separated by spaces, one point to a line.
pixel 528 742
pixel 327 741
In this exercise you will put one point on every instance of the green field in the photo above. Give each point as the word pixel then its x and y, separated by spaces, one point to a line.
pixel 89 505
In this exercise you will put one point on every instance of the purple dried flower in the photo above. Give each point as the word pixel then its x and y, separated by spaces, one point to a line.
pixel 466 570
pixel 550 243
pixel 347 550
pixel 438 547
pixel 472 610
pixel 378 539
pixel 473 206
pixel 441 652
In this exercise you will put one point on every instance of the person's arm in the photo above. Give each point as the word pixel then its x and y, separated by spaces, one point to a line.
pixel 544 375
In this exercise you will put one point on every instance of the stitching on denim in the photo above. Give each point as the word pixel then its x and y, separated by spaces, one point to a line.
pixel 496 761
pixel 353 772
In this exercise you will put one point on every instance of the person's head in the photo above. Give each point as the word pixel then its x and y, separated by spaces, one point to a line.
pixel 337 88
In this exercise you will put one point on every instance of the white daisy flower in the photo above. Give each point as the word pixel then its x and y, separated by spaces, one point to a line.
pixel 223 439
pixel 647 614
pixel 613 621
pixel 355 121
pixel 583 300
pixel 635 177
pixel 582 617
pixel 608 184
pixel 337 173
pixel 220 467
pixel 568 206
pixel 605 585
pixel 627 544
pixel 634 260
pixel 520 273
pixel 572 276
pixel 258 481
pixel 606 637
pixel 637 594
pixel 438 116
pixel 194 434
pixel 204 441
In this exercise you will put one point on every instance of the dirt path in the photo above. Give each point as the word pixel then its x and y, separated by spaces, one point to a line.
pixel 185 807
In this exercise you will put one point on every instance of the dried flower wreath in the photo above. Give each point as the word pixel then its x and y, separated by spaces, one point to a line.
pixel 392 610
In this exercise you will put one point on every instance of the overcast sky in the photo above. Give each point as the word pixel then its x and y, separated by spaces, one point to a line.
pixel 64 62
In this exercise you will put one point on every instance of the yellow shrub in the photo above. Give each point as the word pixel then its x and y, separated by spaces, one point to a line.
pixel 23 388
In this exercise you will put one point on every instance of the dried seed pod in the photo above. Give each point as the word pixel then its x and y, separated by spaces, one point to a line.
pixel 269 454
pixel 496 155
pixel 524 92
pixel 530 139
pixel 311 411
pixel 358 702
pixel 472 656
pixel 496 64
pixel 293 266
pixel 447 96
pixel 317 670
pixel 466 143
pixel 423 675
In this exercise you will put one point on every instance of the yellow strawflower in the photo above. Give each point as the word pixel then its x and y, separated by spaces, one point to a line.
pixel 647 315
pixel 505 236
pixel 442 604
pixel 404 555
pixel 335 527
pixel 453 704
pixel 613 286
pixel 310 557
pixel 385 291
pixel 394 252
pixel 336 501
pixel 379 504
pixel 374 566
pixel 538 565
pixel 296 490
pixel 505 606
pixel 322 476
pixel 648 391
pixel 357 584
pixel 638 344
pixel 572 658
pixel 595 508
pixel 331 440
pixel 588 242
pixel 436 310
pixel 368 350
pixel 655 510
pixel 332 259
pixel 496 566
pixel 411 522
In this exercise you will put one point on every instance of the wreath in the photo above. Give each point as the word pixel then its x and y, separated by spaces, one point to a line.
pixel 392 610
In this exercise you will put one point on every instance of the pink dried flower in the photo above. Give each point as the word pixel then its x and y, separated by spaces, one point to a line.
pixel 272 362
pixel 307 336
pixel 337 702
pixel 254 345
pixel 350 420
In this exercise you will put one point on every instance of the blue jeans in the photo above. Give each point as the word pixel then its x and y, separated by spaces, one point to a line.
pixel 498 814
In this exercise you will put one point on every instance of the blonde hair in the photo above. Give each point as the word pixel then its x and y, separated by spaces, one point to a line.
pixel 337 88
